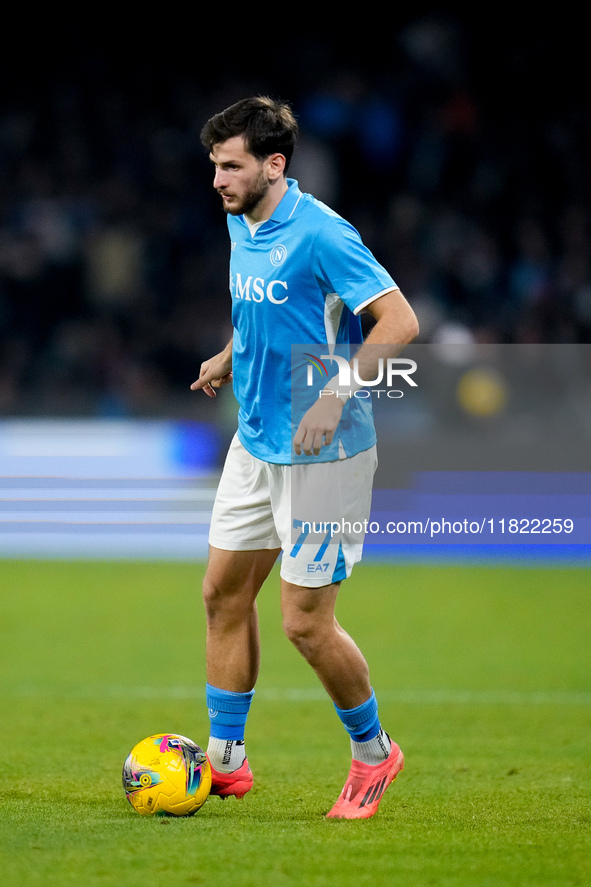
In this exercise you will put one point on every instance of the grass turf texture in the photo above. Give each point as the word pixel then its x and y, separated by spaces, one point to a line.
pixel 482 676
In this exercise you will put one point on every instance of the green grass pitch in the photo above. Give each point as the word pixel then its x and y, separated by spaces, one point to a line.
pixel 482 675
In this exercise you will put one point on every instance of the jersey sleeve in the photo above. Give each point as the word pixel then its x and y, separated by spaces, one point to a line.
pixel 345 266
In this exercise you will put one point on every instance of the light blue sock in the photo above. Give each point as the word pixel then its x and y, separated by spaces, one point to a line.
pixel 370 744
pixel 227 712
pixel 361 723
pixel 227 718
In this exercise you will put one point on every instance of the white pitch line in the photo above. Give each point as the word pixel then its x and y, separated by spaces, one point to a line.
pixel 315 694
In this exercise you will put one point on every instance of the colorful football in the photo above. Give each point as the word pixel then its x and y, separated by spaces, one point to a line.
pixel 167 775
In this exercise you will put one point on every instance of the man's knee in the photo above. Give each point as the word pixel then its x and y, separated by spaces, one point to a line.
pixel 233 579
pixel 308 619
pixel 309 637
pixel 214 592
pixel 298 627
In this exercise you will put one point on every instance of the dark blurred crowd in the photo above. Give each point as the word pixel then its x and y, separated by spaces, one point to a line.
pixel 462 163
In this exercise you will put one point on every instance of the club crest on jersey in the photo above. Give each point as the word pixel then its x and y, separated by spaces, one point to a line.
pixel 278 255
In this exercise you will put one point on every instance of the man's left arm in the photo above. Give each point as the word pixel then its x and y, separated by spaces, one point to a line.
pixel 396 326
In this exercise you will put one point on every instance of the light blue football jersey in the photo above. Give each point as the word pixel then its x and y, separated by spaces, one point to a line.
pixel 300 279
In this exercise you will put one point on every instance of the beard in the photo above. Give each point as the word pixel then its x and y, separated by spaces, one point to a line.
pixel 250 199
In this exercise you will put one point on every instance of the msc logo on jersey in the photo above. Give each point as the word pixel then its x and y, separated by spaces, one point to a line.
pixel 257 289
pixel 278 255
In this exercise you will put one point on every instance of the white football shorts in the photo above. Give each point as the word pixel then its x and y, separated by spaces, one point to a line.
pixel 316 513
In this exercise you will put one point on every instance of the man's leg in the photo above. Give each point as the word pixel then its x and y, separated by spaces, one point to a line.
pixel 309 622
pixel 230 587
pixel 232 582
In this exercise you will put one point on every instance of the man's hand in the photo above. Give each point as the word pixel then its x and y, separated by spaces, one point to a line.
pixel 318 425
pixel 214 373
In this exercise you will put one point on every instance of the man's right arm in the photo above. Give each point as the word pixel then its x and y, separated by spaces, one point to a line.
pixel 215 372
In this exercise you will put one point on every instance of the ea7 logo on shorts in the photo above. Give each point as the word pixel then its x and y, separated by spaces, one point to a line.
pixel 278 255
pixel 257 289
pixel 318 568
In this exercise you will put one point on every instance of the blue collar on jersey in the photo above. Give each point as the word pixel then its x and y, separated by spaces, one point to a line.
pixel 286 206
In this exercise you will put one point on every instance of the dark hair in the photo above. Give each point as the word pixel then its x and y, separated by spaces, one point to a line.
pixel 268 127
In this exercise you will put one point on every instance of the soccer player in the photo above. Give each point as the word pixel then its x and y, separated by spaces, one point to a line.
pixel 299 273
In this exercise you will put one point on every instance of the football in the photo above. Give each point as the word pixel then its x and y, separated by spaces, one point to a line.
pixel 167 775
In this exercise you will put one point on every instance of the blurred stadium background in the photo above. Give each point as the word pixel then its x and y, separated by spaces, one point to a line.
pixel 457 146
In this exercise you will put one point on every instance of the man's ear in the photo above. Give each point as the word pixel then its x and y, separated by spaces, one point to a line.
pixel 275 164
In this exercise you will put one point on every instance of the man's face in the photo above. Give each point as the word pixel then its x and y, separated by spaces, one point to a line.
pixel 240 178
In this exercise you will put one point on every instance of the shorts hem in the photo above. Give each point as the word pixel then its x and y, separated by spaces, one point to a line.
pixel 312 582
pixel 248 545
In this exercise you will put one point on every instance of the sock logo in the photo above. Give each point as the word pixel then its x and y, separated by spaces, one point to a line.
pixel 382 744
pixel 227 752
